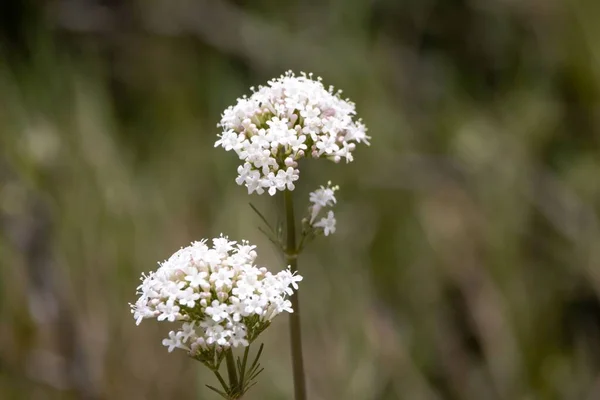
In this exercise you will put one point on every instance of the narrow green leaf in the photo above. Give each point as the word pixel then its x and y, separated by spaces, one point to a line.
pixel 238 363
pixel 260 349
pixel 223 394
pixel 262 217
pixel 271 239
pixel 256 374
pixel 249 386
pixel 221 381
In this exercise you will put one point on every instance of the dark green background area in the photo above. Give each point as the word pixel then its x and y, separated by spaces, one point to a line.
pixel 466 264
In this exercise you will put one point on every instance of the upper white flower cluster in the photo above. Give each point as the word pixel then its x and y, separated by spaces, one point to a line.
pixel 320 198
pixel 222 298
pixel 290 118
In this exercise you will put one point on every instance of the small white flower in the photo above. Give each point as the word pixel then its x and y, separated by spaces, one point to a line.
pixel 243 290
pixel 289 279
pixel 243 173
pixel 255 305
pixel 188 297
pixel 228 140
pixel 238 336
pixel 169 311
pixel 196 278
pixel 322 197
pixel 172 341
pixel 218 311
pixel 261 139
pixel 215 333
pixel 327 145
pixel 297 143
pixel 222 277
pixel 285 179
pixel 286 306
pixel 270 182
pixel 187 331
pixel 236 309
pixel 327 223
pixel 310 113
pixel 254 183
pixel 223 245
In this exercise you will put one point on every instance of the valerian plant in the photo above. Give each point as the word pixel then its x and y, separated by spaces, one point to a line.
pixel 218 296
pixel 271 130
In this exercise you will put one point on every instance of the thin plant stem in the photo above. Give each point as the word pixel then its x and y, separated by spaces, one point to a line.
pixel 221 380
pixel 295 332
pixel 233 380
pixel 243 366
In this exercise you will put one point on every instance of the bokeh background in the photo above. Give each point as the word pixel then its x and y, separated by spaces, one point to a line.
pixel 467 259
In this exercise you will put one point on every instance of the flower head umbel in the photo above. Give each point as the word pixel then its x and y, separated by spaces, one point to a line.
pixel 221 298
pixel 293 117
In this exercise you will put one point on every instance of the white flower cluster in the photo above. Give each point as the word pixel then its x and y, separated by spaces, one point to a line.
pixel 222 298
pixel 320 198
pixel 291 118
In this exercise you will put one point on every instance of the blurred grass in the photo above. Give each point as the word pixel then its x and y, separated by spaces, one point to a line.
pixel 466 265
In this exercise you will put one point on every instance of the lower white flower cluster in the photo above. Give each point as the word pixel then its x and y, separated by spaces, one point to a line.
pixel 319 199
pixel 222 298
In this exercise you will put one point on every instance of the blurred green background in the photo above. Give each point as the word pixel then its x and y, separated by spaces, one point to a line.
pixel 467 259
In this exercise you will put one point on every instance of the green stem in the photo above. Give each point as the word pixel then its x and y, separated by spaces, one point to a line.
pixel 301 244
pixel 295 333
pixel 221 380
pixel 233 380
pixel 243 367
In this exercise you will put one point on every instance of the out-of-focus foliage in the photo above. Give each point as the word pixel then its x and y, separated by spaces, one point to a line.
pixel 467 261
